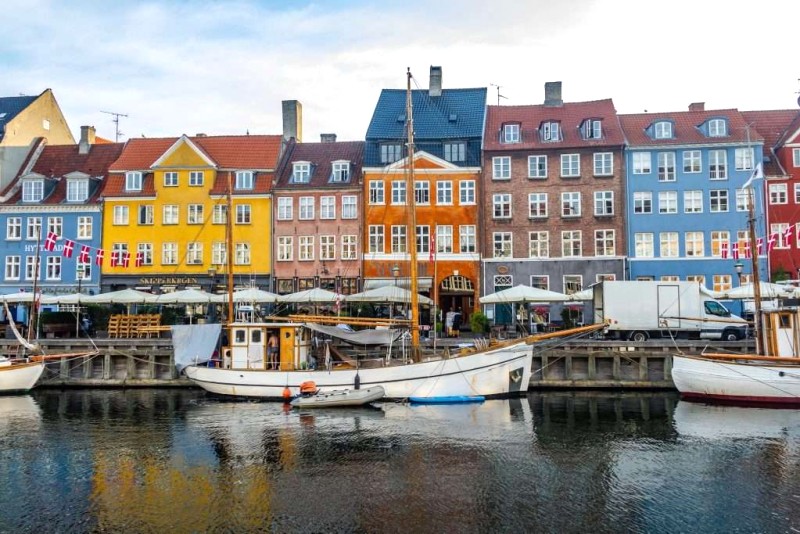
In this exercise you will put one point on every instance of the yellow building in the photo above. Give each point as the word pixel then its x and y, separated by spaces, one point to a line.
pixel 165 209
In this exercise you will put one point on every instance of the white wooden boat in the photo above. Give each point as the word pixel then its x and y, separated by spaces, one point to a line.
pixel 339 397
pixel 19 376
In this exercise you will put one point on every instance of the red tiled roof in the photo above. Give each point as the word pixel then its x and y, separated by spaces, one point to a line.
pixel 772 125
pixel 686 131
pixel 321 156
pixel 115 186
pixel 262 183
pixel 570 115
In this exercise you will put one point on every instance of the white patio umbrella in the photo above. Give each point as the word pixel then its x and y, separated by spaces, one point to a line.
pixel 311 296
pixel 185 296
pixel 522 293
pixel 251 295
pixel 768 291
pixel 124 296
pixel 394 294
pixel 72 298
pixel 21 296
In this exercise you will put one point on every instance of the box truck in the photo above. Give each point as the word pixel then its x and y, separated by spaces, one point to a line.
pixel 639 310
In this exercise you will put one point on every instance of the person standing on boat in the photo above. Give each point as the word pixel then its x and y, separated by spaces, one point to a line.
pixel 272 350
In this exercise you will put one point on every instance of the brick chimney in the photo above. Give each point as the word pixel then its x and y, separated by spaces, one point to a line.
pixel 327 138
pixel 552 94
pixel 87 139
pixel 435 84
pixel 697 106
pixel 292 120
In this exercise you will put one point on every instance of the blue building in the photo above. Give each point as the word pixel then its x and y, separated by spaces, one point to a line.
pixel 687 210
pixel 56 190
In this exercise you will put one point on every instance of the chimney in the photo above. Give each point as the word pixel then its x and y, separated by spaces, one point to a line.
pixel 87 139
pixel 697 106
pixel 435 84
pixel 552 94
pixel 327 138
pixel 292 120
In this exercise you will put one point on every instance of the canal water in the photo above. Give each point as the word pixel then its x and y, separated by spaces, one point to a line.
pixel 180 461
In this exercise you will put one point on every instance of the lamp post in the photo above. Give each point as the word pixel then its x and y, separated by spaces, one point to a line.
pixel 212 308
pixel 739 266
pixel 79 274
pixel 395 274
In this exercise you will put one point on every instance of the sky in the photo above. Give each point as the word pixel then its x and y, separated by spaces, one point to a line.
pixel 223 67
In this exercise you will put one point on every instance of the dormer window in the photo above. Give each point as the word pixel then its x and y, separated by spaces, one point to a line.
pixel 133 181
pixel 717 128
pixel 455 151
pixel 340 171
pixel 391 152
pixel 592 129
pixel 301 172
pixel 550 131
pixel 244 179
pixel 511 133
pixel 32 190
pixel 663 130
pixel 77 190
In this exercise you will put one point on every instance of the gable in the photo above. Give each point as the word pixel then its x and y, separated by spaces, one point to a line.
pixel 183 154
pixel 423 160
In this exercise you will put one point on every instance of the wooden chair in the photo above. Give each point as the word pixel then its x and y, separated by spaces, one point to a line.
pixel 113 326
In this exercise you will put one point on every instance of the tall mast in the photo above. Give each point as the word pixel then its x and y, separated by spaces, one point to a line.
pixel 32 318
pixel 412 224
pixel 228 251
pixel 751 226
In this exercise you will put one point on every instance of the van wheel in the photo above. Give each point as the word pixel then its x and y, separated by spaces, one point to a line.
pixel 639 336
pixel 730 335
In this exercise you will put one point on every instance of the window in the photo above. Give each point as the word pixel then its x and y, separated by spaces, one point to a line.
pixel 391 152
pixel 422 193
pixel 399 239
pixel 444 192
pixel 376 192
pixel 444 239
pixel 511 133
pixel 169 254
pixel 77 190
pixel 668 245
pixel 242 254
pixel 170 179
pixel 455 151
pixel 718 200
pixel 538 244
pixel 718 164
pixel 85 225
pixel 301 172
pixel 14 228
pixel 349 207
pixel 604 243
pixel 32 190
pixel 540 281
pixel 537 166
pixel 717 128
pixel 285 208
pixel 778 194
pixel 146 214
pixel 718 239
pixel 466 238
pixel 146 251
pixel 327 207
pixel 603 203
pixel 501 168
pixel 570 165
pixel 501 206
pixel 306 208
pixel 780 229
pixel 170 214
pixel 699 278
pixel 55 225
pixel 327 247
pixel 196 178
pixel 194 253
pixel 502 244
pixel 219 254
pixel 642 202
pixel 243 214
pixel 695 246
pixel 692 162
pixel 603 164
pixel 641 163
pixel 743 159
pixel 592 129
pixel 668 202
pixel 34 228
pixel 550 131
pixel 424 239
pixel 693 202
pixel 796 157
pixel 340 171
pixel 466 189
pixel 305 248
pixel 571 243
pixel 194 214
pixel 31 264
pixel 244 180
pixel 133 181
pixel 797 193
pixel 349 247
pixel 376 239
pixel 722 282
pixel 572 283
pixel 643 245
pixel 663 130
pixel 571 204
pixel 13 264
pixel 398 192
pixel 743 240
pixel 285 248
pixel 120 215
pixel 537 205
pixel 53 271
pixel 742 199
pixel 83 271
pixel 666 166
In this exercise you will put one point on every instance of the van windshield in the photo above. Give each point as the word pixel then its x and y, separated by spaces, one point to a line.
pixel 715 308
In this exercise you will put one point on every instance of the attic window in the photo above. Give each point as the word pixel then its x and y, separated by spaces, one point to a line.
pixel 663 130
pixel 133 181
pixel 77 190
pixel 32 190
pixel 340 171
pixel 592 129
pixel 717 128
pixel 244 179
pixel 3 115
pixel 511 133
pixel 550 131
pixel 453 117
pixel 301 172
pixel 401 117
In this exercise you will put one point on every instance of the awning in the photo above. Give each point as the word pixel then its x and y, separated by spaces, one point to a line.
pixel 423 284
pixel 358 337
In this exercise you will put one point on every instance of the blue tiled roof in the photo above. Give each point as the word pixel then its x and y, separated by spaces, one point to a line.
pixel 11 106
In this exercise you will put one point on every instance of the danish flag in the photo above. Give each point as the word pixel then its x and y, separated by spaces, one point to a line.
pixel 69 245
pixel 99 256
pixel 773 237
pixel 126 259
pixel 724 250
pixel 83 256
pixel 50 242
pixel 115 258
pixel 139 259
pixel 760 246
pixel 735 251
pixel 787 235
pixel 433 249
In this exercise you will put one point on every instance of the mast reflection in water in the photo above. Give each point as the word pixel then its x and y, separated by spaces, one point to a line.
pixel 179 461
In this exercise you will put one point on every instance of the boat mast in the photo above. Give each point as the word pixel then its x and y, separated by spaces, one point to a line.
pixel 32 316
pixel 412 224
pixel 228 253
pixel 751 227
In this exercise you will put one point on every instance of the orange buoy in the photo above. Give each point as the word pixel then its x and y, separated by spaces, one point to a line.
pixel 287 394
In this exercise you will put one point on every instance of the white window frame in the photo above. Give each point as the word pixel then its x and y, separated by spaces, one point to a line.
pixel 539 244
pixel 501 206
pixel 641 162
pixel 466 192
pixel 511 133
pixel 603 203
pixel 195 214
pixel 778 193
pixel 605 242
pixel 14 229
pixel 669 245
pixel 666 167
pixel 121 215
pixel 537 166
pixel 501 168
pixel 642 202
pixel 244 181
pixel 349 207
pixel 444 193
pixel 301 172
pixel 691 240
pixel 717 128
pixel 169 253
pixel 53 270
pixel 692 161
pixel 197 178
pixel 643 245
pixel 377 193
pixel 570 165
pixel 244 214
pixel 603 163
pixel 170 179
pixel 718 201
pixel 133 181
pixel 537 205
pixel 77 190
pixel 85 227
pixel 327 208
pixel 662 130
pixel 399 193
pixel 377 239
pixel 32 190
pixel 693 201
pixel 170 214
pixel 571 244
pixel 502 244
pixel 667 202
pixel 570 204
pixel 340 171
pixel 285 248
pixel 305 209
pixel 467 239
pixel 718 164
pixel 285 208
pixel 744 159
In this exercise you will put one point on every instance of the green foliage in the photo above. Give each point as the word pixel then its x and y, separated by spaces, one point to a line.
pixel 61 317
pixel 98 315
pixel 479 323
pixel 779 274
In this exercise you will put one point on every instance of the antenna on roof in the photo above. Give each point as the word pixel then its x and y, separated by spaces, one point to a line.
pixel 115 120
pixel 499 96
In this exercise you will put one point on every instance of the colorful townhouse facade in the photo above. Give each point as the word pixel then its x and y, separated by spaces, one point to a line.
pixel 553 197
pixel 57 191
pixel 166 207
pixel 687 204
pixel 317 216
pixel 448 127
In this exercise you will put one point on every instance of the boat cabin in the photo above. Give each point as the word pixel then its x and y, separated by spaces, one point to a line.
pixel 781 329
pixel 250 345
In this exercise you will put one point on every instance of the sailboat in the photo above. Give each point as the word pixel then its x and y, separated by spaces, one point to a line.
pixel 396 361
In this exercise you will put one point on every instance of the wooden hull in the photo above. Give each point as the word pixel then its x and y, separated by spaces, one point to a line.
pixel 340 397
pixel 757 382
pixel 501 372
pixel 19 377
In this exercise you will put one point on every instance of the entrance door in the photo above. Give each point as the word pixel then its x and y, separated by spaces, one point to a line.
pixel 503 313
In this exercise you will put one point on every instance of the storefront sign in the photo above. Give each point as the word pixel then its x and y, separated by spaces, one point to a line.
pixel 167 280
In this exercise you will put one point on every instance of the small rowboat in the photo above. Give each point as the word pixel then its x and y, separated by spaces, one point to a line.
pixel 340 397
pixel 456 399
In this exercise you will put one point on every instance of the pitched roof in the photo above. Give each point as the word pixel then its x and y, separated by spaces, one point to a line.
pixel 570 115
pixel 772 125
pixel 686 129
pixel 10 107
pixel 456 114
pixel 321 156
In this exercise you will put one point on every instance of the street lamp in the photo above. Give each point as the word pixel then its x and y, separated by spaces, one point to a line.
pixel 395 274
pixel 212 274
pixel 738 266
